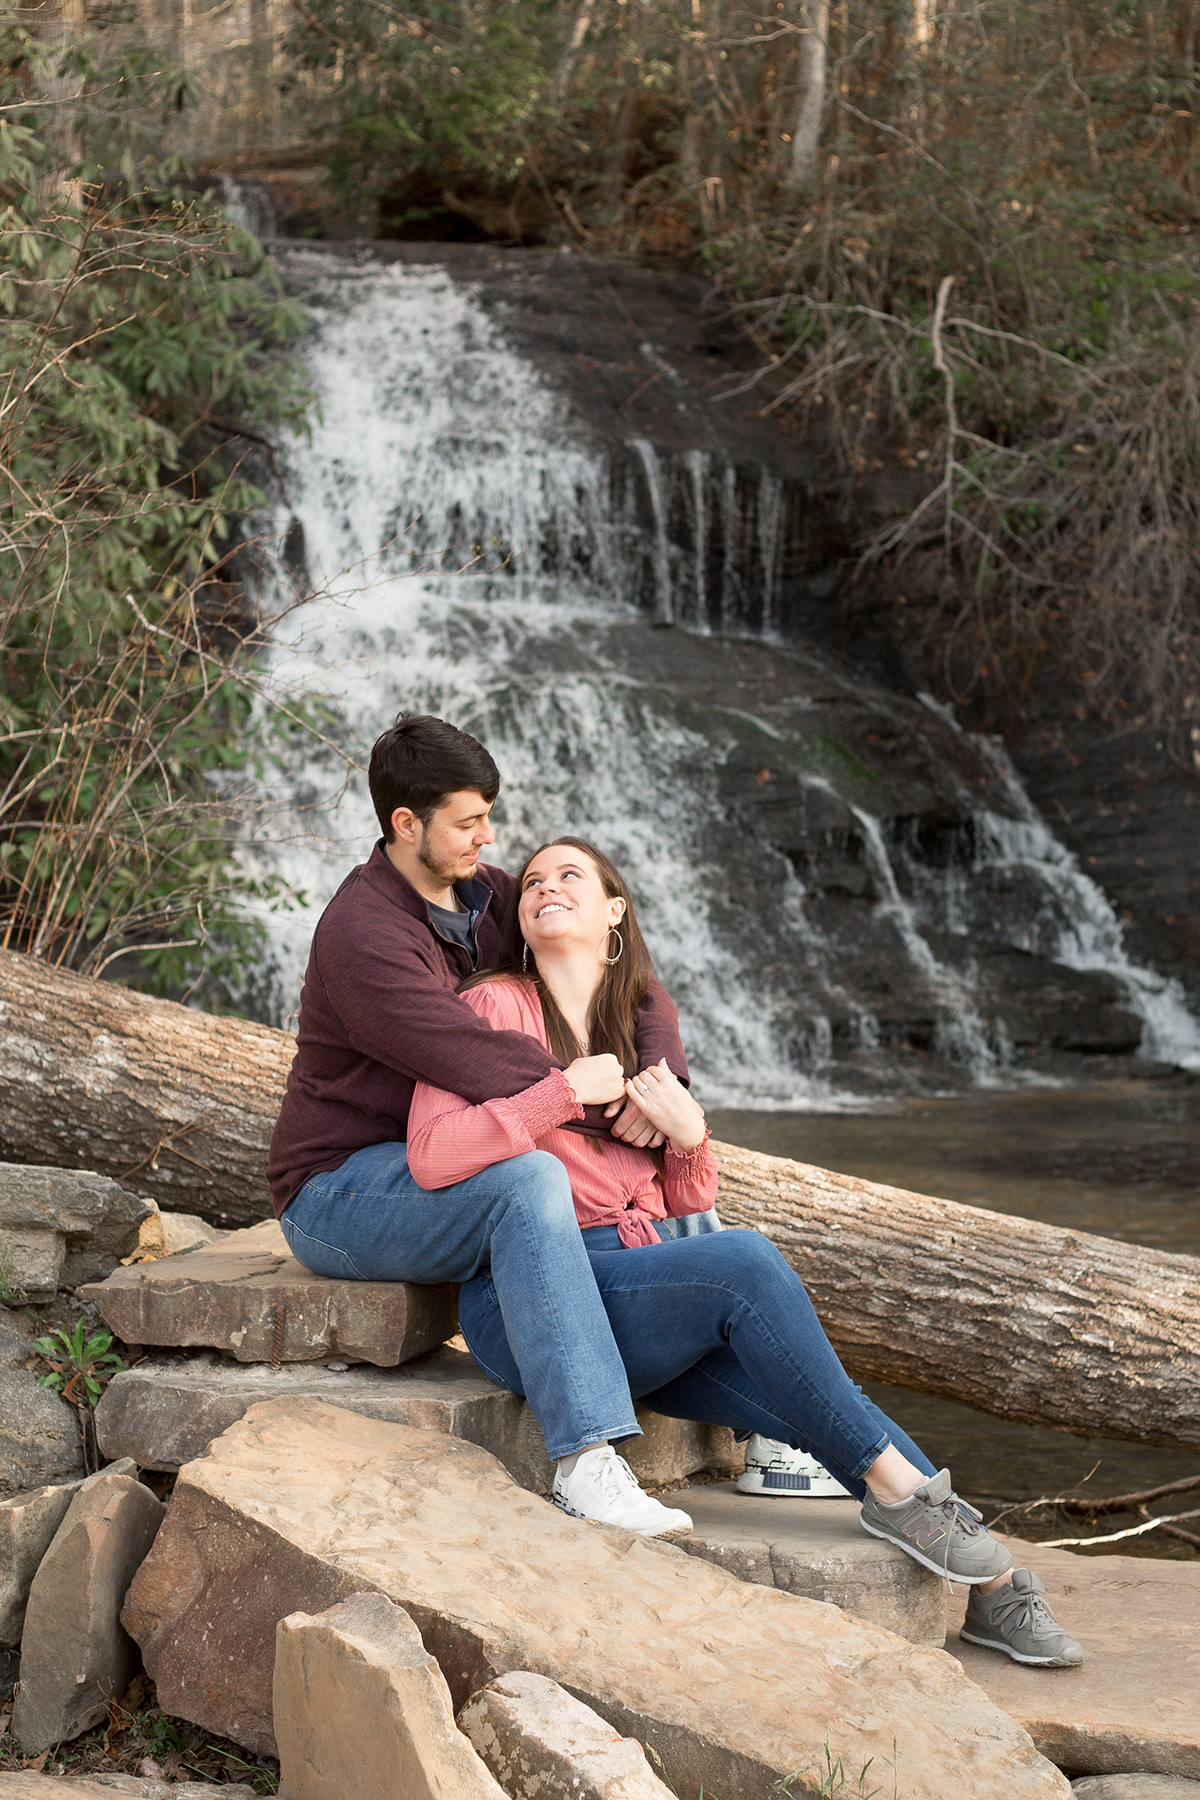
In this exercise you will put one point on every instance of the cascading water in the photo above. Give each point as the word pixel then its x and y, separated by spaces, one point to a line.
pixel 464 549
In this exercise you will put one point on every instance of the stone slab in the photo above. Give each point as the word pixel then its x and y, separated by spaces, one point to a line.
pixel 815 1548
pixel 75 1656
pixel 542 1744
pixel 25 1785
pixel 736 1687
pixel 248 1297
pixel 165 1413
pixel 28 1522
pixel 1135 1703
pixel 1134 1787
pixel 63 1226
pixel 362 1711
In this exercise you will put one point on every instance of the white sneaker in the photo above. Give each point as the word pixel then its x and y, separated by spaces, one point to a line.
pixel 602 1486
pixel 775 1469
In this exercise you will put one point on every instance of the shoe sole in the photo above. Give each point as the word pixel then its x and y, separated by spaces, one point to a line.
pixel 659 1537
pixel 1038 1662
pixel 927 1562
pixel 815 1492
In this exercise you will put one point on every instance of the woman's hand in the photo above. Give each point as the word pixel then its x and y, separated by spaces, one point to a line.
pixel 594 1080
pixel 668 1105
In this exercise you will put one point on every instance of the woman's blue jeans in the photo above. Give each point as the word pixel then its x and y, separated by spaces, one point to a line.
pixel 716 1328
pixel 515 1223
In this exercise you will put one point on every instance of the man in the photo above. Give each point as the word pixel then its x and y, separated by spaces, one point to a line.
pixel 379 1012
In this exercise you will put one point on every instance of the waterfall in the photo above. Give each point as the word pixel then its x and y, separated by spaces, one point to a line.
pixel 463 548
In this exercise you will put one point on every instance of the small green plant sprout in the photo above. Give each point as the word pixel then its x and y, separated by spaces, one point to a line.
pixel 834 1784
pixel 81 1367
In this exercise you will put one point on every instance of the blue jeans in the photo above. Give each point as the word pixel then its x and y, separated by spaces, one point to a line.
pixel 717 1328
pixel 514 1225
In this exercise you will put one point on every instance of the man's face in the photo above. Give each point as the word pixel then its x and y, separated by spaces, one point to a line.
pixel 448 847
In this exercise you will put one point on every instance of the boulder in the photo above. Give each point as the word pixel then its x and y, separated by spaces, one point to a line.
pixel 543 1744
pixel 363 1711
pixel 75 1657
pixel 166 1412
pixel 39 1435
pixel 816 1548
pixel 735 1687
pixel 248 1296
pixel 28 1522
pixel 1135 1704
pixel 60 1227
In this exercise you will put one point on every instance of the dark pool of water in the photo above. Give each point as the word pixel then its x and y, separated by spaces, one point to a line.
pixel 1121 1159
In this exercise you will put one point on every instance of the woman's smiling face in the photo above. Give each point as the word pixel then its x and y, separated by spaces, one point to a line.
pixel 563 900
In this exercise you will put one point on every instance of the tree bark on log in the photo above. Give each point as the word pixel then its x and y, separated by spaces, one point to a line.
pixel 1021 1320
pixel 169 1102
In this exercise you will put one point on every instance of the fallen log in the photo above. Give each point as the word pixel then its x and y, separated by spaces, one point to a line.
pixel 1021 1320
pixel 169 1101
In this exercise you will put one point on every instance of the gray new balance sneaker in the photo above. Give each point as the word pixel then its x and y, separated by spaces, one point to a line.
pixel 939 1531
pixel 1018 1621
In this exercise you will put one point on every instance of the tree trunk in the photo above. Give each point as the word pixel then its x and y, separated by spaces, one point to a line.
pixel 1021 1320
pixel 810 109
pixel 170 1102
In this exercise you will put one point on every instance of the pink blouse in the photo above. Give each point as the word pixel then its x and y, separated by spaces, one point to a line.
pixel 613 1184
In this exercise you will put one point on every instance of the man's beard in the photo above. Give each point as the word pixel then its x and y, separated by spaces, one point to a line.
pixel 441 871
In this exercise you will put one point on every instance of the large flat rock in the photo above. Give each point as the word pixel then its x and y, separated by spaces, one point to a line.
pixel 735 1687
pixel 248 1296
pixel 1135 1704
pixel 815 1548
pixel 165 1413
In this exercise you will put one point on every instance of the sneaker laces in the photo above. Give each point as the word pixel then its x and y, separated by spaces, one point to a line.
pixel 613 1475
pixel 1019 1606
pixel 960 1513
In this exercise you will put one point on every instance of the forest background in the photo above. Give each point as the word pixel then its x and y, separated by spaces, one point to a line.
pixel 963 240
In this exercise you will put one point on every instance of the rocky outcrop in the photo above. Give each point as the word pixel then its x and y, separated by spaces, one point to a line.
pixel 60 1227
pixel 361 1709
pixel 248 1296
pixel 735 1687
pixel 543 1744
pixel 76 1659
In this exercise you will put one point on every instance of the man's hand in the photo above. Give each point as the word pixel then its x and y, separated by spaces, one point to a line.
pixel 632 1126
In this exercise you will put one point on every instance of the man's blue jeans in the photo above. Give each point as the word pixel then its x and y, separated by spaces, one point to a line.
pixel 515 1223
pixel 716 1328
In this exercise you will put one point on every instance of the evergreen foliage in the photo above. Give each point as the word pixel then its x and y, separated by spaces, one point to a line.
pixel 138 332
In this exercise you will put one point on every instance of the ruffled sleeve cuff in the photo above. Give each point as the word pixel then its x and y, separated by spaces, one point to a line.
pixel 547 1104
pixel 691 1165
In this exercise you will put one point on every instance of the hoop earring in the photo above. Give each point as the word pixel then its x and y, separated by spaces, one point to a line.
pixel 613 932
pixel 524 957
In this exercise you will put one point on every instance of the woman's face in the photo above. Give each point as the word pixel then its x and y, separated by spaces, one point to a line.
pixel 563 902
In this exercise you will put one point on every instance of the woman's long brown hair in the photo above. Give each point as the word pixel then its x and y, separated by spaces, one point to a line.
pixel 612 1017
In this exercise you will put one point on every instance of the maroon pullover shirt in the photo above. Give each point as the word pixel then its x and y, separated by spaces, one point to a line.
pixel 379 1012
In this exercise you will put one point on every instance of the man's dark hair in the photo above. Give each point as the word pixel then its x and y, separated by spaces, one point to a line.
pixel 421 760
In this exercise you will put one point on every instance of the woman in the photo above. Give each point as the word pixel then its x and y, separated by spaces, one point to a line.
pixel 716 1327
